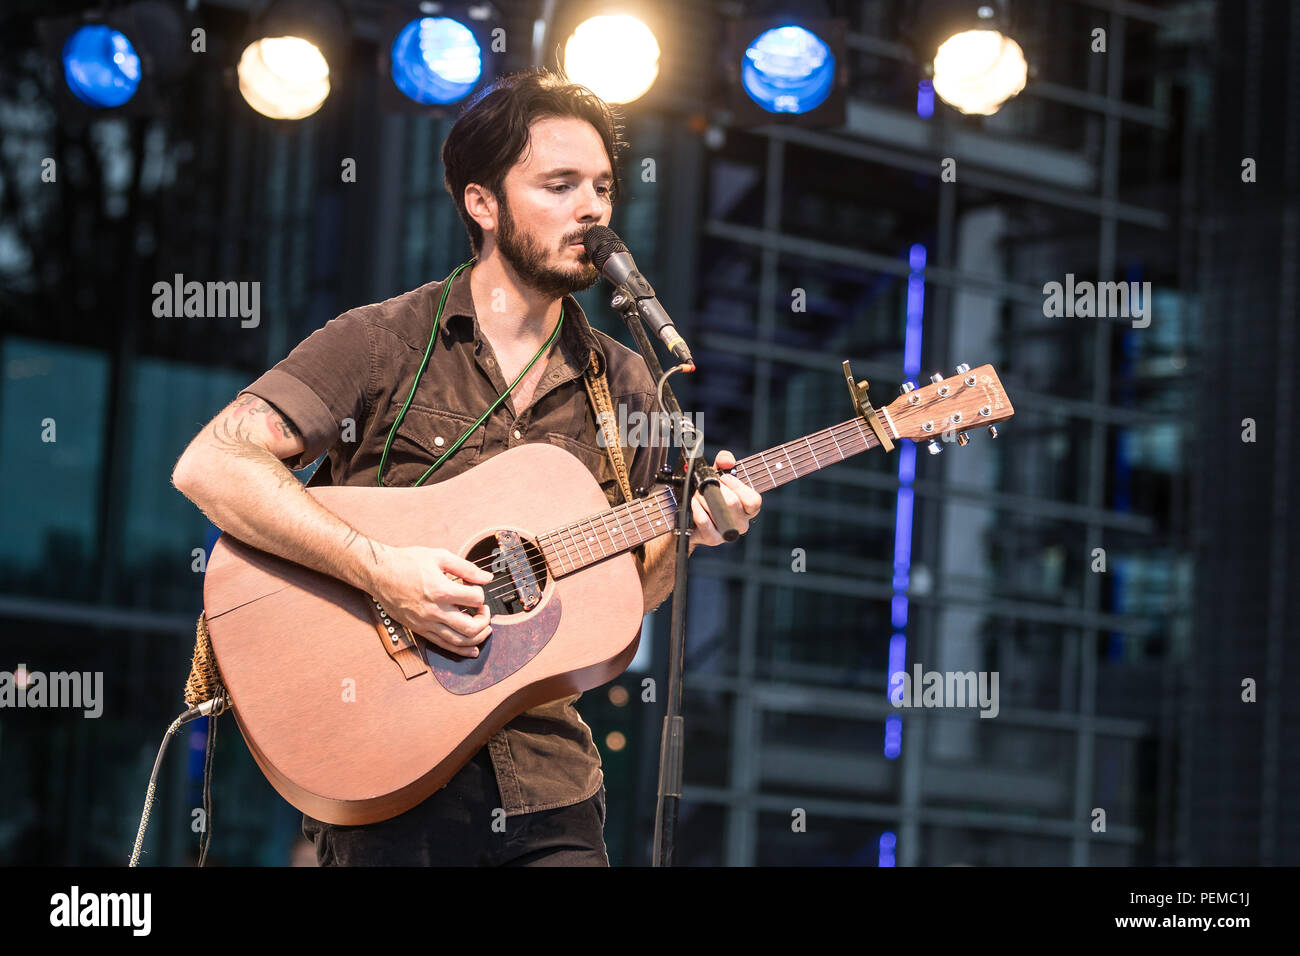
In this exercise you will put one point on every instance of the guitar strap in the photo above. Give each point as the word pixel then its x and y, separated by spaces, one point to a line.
pixel 602 406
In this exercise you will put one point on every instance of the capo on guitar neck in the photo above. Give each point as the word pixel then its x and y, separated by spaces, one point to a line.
pixel 862 405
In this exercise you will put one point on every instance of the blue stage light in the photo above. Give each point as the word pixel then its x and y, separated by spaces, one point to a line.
pixel 788 70
pixel 101 66
pixel 436 60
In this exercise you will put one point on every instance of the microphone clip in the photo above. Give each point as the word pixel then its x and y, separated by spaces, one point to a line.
pixel 627 303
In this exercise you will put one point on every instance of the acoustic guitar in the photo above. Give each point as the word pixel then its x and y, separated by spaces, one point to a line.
pixel 354 719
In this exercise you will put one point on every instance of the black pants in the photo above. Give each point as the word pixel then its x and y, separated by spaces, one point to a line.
pixel 457 826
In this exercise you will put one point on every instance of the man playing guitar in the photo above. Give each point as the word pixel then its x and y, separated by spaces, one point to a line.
pixel 531 165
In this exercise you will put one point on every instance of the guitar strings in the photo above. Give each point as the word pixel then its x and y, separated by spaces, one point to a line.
pixel 825 442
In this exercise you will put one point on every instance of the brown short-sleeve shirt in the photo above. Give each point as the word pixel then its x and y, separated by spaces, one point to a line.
pixel 343 386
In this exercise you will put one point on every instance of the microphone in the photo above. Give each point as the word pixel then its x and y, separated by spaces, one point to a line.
pixel 616 264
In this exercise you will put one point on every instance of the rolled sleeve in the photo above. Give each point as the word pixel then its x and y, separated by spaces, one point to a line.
pixel 323 381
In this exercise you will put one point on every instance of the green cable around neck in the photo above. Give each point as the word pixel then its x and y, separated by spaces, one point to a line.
pixel 433 336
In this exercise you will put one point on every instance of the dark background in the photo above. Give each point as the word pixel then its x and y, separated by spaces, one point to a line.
pixel 1120 690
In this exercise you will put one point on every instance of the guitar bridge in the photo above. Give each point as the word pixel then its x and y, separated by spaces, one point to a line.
pixel 398 641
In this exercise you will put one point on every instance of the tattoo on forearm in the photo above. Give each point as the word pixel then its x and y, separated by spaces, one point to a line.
pixel 276 425
pixel 352 535
pixel 232 435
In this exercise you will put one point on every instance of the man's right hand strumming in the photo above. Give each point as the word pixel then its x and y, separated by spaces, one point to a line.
pixel 422 588
pixel 234 471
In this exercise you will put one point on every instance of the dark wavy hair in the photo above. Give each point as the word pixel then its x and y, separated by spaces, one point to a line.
pixel 492 132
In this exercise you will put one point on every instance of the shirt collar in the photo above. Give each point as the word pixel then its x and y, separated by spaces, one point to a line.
pixel 576 336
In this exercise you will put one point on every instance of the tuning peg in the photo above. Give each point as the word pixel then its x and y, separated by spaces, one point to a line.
pixel 963 438
pixel 993 431
pixel 963 368
pixel 937 377
pixel 905 388
pixel 934 447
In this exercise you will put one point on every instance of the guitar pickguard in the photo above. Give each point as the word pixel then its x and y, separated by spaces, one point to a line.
pixel 510 646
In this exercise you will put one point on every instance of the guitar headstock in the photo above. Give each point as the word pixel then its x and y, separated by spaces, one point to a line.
pixel 944 409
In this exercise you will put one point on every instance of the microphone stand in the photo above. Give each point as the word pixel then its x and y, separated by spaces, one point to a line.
pixel 703 476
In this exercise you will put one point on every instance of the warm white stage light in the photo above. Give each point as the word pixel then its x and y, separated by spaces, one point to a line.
pixel 284 77
pixel 979 70
pixel 616 57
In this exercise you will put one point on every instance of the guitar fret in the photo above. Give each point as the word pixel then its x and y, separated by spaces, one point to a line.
pixel 604 519
pixel 787 458
pixel 577 540
pixel 548 550
pixel 570 551
pixel 851 437
pixel 582 540
pixel 625 513
pixel 831 432
pixel 650 521
pixel 814 452
pixel 741 471
pixel 659 525
pixel 561 558
pixel 648 508
pixel 547 557
pixel 573 543
pixel 593 536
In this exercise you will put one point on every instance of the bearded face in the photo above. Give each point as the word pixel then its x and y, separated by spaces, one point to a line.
pixel 560 187
pixel 550 270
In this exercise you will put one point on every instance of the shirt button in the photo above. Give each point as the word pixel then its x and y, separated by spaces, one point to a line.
pixel 517 435
pixel 438 441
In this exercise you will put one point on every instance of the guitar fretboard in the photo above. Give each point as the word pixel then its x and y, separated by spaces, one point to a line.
pixel 621 529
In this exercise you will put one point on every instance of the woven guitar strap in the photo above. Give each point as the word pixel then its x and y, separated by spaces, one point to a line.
pixel 204 682
pixel 603 407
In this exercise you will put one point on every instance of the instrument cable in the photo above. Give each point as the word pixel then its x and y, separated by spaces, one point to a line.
pixel 213 708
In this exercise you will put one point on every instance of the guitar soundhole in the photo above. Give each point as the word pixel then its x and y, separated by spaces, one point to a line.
pixel 518 571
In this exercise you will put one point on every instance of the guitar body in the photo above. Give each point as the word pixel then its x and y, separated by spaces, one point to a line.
pixel 351 728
